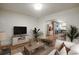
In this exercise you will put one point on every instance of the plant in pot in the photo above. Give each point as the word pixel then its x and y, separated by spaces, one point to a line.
pixel 73 33
pixel 36 33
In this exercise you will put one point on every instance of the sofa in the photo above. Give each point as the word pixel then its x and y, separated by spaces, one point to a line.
pixel 74 48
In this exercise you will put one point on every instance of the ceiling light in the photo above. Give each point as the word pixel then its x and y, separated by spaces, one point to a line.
pixel 38 6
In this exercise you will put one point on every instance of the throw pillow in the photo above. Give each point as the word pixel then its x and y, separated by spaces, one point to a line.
pixel 63 51
pixel 62 45
pixel 57 52
pixel 66 48
pixel 54 52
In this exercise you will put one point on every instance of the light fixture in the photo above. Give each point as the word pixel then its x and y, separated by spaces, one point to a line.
pixel 38 6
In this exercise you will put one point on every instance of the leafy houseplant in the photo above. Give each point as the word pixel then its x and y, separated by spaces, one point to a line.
pixel 73 33
pixel 36 33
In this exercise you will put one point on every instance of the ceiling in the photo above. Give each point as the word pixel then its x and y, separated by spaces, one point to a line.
pixel 28 9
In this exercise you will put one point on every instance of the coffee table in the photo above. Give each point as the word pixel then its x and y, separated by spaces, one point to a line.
pixel 33 46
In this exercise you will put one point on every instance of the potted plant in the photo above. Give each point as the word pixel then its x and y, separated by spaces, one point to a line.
pixel 36 33
pixel 73 33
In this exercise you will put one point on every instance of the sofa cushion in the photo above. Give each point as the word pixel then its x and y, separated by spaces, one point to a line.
pixel 67 44
pixel 74 50
pixel 58 43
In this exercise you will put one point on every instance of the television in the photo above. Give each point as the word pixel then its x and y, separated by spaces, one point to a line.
pixel 18 30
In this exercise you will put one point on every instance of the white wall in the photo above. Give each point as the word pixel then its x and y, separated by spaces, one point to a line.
pixel 9 19
pixel 71 17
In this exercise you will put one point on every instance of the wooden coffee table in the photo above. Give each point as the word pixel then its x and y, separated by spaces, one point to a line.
pixel 33 46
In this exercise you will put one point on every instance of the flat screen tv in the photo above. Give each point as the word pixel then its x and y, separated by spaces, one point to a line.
pixel 18 30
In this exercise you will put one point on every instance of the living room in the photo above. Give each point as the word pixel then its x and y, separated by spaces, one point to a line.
pixel 44 22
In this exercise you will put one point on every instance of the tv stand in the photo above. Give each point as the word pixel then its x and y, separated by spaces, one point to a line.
pixel 19 39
